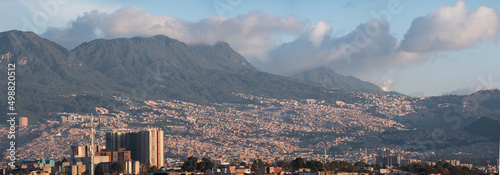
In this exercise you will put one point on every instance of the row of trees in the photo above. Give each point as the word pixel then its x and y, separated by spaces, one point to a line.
pixel 118 168
pixel 192 164
pixel 314 165
pixel 338 166
pixel 441 167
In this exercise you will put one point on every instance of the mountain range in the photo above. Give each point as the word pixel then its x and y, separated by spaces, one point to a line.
pixel 51 78
pixel 488 127
pixel 330 78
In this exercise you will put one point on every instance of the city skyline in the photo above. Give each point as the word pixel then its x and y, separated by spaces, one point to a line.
pixel 250 87
pixel 236 139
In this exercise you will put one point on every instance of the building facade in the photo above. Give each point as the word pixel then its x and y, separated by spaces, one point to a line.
pixel 388 160
pixel 116 156
pixel 145 146
pixel 23 121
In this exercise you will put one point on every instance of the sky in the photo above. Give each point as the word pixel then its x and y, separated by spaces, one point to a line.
pixel 418 48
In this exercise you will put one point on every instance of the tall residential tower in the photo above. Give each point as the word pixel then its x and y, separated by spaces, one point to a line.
pixel 145 146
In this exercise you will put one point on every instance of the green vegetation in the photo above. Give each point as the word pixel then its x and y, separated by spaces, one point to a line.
pixel 117 168
pixel 298 162
pixel 488 127
pixel 328 77
pixel 55 79
pixel 256 164
pixel 153 169
pixel 315 165
pixel 440 167
pixel 99 170
pixel 191 164
pixel 205 164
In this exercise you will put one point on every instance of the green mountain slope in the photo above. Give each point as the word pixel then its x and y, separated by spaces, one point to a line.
pixel 483 103
pixel 328 77
pixel 53 79
pixel 163 68
pixel 49 78
pixel 486 126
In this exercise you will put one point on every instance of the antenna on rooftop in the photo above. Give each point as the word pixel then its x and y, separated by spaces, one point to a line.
pixel 325 155
pixel 92 125
pixel 366 156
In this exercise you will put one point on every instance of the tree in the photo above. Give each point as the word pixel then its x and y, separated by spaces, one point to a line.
pixel 256 164
pixel 190 164
pixel 284 165
pixel 340 166
pixel 153 169
pixel 205 164
pixel 457 170
pixel 235 162
pixel 438 169
pixel 209 164
pixel 447 165
pixel 475 170
pixel 117 168
pixel 360 164
pixel 99 170
pixel 243 164
pixel 148 165
pixel 315 165
pixel 298 163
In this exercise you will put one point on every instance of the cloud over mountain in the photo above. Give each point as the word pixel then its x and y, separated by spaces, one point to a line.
pixel 367 52
pixel 348 54
pixel 371 50
pixel 250 34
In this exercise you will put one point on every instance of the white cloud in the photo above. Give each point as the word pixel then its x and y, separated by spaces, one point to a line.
pixel 56 13
pixel 84 28
pixel 369 51
pixel 251 34
pixel 452 28
pixel 132 21
pixel 318 31
pixel 387 84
